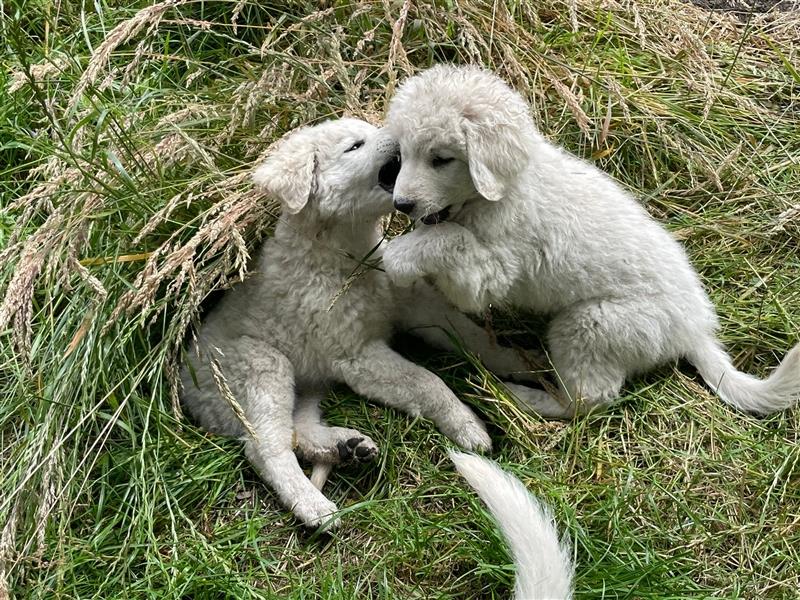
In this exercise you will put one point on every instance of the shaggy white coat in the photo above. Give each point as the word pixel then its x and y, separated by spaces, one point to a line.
pixel 289 331
pixel 543 563
pixel 521 222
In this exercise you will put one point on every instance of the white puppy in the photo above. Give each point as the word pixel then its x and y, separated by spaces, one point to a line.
pixel 509 219
pixel 312 314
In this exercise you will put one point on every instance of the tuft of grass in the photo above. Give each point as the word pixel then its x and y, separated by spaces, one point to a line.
pixel 127 132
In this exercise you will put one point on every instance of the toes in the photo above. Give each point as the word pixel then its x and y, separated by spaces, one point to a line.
pixel 401 275
pixel 356 449
pixel 473 436
pixel 365 453
pixel 464 428
pixel 346 449
pixel 353 442
pixel 316 512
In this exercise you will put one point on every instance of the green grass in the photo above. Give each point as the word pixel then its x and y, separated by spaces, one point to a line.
pixel 125 202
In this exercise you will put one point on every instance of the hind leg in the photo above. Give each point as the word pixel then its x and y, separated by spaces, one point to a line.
pixel 594 346
pixel 262 381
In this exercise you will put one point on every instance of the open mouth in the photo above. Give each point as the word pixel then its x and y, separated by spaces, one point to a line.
pixel 437 217
pixel 388 174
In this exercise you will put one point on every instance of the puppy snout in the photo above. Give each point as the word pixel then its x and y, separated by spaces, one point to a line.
pixel 387 143
pixel 404 205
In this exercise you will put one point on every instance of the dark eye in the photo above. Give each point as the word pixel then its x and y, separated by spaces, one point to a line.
pixel 355 146
pixel 440 161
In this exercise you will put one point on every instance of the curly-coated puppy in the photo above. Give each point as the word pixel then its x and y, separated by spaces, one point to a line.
pixel 509 219
pixel 311 314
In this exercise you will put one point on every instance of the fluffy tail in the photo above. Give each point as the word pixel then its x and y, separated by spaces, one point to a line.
pixel 761 396
pixel 544 567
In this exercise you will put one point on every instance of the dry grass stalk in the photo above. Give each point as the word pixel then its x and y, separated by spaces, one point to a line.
pixel 225 392
pixel 46 502
pixel 638 23
pixel 7 547
pixel 16 306
pixel 93 282
pixel 146 17
pixel 573 15
pixel 572 102
pixel 790 215
pixel 39 73
pixel 471 43
pixel 251 97
pixel 221 231
pixel 616 91
pixel 143 49
pixel 397 53
pixel 55 174
pixel 237 11
pixel 331 46
pixel 270 43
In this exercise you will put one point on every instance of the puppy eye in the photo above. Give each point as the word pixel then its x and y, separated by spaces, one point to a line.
pixel 440 161
pixel 355 146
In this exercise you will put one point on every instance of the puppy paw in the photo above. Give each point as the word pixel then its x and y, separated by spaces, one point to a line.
pixel 400 273
pixel 335 445
pixel 466 430
pixel 316 511
pixel 401 261
pixel 357 450
pixel 473 437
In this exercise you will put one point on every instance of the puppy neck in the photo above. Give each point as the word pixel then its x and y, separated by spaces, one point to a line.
pixel 355 238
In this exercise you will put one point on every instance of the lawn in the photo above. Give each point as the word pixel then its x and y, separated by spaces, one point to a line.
pixel 127 134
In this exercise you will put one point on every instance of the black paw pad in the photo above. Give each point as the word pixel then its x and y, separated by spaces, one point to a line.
pixel 352 450
pixel 364 452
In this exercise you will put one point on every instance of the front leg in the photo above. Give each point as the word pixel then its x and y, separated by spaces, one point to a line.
pixel 463 269
pixel 379 373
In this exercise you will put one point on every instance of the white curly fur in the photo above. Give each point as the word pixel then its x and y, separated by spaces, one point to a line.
pixel 527 224
pixel 280 339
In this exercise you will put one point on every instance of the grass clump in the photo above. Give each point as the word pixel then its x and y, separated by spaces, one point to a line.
pixel 127 133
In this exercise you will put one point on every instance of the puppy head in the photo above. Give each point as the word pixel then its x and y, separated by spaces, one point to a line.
pixel 464 135
pixel 337 169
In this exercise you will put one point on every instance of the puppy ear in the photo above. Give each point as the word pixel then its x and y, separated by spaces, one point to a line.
pixel 289 172
pixel 496 155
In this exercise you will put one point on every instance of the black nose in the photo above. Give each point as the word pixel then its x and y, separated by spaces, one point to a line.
pixel 404 205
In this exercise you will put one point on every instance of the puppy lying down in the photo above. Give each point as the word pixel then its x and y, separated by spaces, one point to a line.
pixel 303 321
pixel 506 218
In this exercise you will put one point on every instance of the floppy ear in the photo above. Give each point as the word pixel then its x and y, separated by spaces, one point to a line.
pixel 495 154
pixel 289 173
